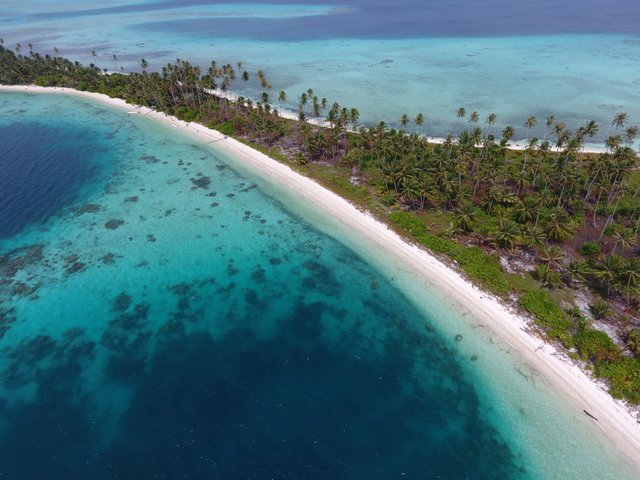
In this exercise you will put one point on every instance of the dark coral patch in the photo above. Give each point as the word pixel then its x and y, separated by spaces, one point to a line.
pixel 180 289
pixel 19 258
pixel 251 297
pixel 114 223
pixel 132 199
pixel 201 182
pixel 259 275
pixel 250 187
pixel 109 259
pixel 134 320
pixel 121 302
pixel 6 320
pixel 73 264
pixel 231 268
pixel 24 290
pixel 149 158
pixel 86 208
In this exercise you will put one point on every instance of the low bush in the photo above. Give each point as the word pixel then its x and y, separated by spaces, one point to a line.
pixel 596 346
pixel 623 376
pixel 481 267
pixel 548 315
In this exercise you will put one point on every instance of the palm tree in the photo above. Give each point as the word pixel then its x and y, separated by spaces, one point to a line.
pixel 491 119
pixel 547 276
pixel 263 80
pixel 608 270
pixel 506 233
pixel 410 188
pixel 474 117
pixel 559 226
pixel 465 217
pixel 404 119
pixel 419 120
pixel 630 273
pixel 354 116
pixel 428 190
pixel 624 238
pixel 619 120
pixel 613 142
pixel 551 255
pixel 591 129
pixel 507 133
pixel 282 96
pixel 531 122
pixel 461 112
pixel 578 270
pixel 562 134
pixel 630 134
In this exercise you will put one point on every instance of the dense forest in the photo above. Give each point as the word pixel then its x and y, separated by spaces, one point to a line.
pixel 548 227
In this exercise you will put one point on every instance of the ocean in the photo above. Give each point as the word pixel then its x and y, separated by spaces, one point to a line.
pixel 167 313
pixel 576 60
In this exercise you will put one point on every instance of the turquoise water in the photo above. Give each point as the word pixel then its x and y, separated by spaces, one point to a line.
pixel 578 60
pixel 171 318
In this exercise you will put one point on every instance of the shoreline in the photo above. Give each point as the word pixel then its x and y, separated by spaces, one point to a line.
pixel 518 146
pixel 615 424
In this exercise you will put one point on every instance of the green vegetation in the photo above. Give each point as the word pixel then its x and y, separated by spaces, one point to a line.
pixel 548 315
pixel 564 219
pixel 481 268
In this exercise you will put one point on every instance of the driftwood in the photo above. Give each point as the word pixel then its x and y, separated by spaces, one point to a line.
pixel 588 414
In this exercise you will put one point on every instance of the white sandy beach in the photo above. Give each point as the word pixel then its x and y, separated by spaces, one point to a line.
pixel 615 422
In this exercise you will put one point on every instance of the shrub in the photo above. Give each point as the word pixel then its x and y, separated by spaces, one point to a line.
pixel 225 128
pixel 590 249
pixel 389 199
pixel 481 267
pixel 633 341
pixel 623 376
pixel 548 277
pixel 187 114
pixel 548 315
pixel 601 309
pixel 596 346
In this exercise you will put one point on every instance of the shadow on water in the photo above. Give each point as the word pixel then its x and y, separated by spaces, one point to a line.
pixel 294 405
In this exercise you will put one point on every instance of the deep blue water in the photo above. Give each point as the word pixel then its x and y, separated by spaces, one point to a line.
pixel 294 406
pixel 39 173
pixel 404 18
pixel 440 18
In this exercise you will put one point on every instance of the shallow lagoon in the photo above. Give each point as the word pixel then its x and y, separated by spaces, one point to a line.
pixel 171 317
